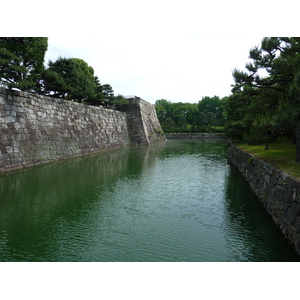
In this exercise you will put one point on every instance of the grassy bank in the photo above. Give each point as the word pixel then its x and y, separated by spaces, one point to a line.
pixel 281 154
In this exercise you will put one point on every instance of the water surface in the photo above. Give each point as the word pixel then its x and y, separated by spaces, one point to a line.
pixel 179 201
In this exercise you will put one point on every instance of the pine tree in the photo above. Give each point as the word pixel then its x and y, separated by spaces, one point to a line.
pixel 22 61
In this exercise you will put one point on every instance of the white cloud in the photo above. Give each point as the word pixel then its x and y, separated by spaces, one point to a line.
pixel 178 50
pixel 178 69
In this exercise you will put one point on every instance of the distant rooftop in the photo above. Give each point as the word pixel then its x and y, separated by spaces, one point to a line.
pixel 131 96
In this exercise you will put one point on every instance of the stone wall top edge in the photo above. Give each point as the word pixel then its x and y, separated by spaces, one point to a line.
pixel 146 102
pixel 139 100
pixel 13 92
pixel 52 100
pixel 262 162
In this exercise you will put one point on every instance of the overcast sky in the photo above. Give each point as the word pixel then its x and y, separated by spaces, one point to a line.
pixel 176 68
pixel 176 50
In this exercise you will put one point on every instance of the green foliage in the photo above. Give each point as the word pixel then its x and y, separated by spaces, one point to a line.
pixel 158 131
pixel 108 94
pixel 72 78
pixel 22 67
pixel 191 117
pixel 53 84
pixel 213 108
pixel 22 61
pixel 262 108
pixel 120 102
pixel 281 154
pixel 163 109
pixel 98 98
pixel 181 122
pixel 168 125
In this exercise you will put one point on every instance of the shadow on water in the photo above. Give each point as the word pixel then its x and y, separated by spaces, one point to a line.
pixel 178 201
pixel 35 202
pixel 250 231
pixel 212 148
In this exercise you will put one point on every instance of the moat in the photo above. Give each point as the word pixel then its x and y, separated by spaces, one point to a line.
pixel 178 201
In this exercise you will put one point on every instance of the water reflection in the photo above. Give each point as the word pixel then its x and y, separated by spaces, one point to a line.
pixel 38 204
pixel 178 201
pixel 249 228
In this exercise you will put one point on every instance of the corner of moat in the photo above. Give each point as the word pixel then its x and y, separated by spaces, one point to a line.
pixel 278 191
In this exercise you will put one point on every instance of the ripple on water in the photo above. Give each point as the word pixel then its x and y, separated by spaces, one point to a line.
pixel 181 203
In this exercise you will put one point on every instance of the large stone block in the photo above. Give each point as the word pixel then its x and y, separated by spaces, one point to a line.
pixel 41 124
pixel 293 212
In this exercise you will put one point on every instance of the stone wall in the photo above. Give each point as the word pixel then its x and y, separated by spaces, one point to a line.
pixel 279 192
pixel 143 125
pixel 35 129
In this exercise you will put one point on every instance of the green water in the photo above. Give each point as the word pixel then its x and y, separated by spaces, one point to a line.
pixel 180 201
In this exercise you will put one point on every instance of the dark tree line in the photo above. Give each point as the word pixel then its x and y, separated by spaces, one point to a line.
pixel 205 116
pixel 265 100
pixel 22 67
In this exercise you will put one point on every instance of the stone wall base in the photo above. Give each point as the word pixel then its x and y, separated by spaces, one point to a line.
pixel 278 191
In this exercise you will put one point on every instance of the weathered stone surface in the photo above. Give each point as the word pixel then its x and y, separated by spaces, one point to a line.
pixel 297 223
pixel 143 125
pixel 279 192
pixel 297 244
pixel 35 128
pixel 293 212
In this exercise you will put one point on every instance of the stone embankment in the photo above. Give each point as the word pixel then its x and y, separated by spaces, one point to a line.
pixel 278 191
pixel 35 129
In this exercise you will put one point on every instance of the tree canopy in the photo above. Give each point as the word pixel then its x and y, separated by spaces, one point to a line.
pixel 191 117
pixel 265 100
pixel 22 61
pixel 22 67
pixel 71 78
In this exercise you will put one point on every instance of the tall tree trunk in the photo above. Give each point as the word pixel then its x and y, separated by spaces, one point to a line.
pixel 297 135
pixel 266 139
pixel 266 146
